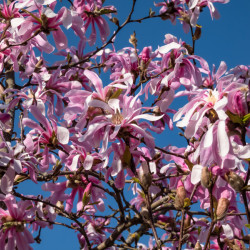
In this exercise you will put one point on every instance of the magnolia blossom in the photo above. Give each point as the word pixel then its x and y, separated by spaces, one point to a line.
pixel 14 233
pixel 91 13
pixel 119 115
pixel 80 186
pixel 45 21
pixel 87 118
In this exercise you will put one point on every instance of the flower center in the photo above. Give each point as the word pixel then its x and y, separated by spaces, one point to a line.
pixel 9 222
pixel 117 118
pixel 212 98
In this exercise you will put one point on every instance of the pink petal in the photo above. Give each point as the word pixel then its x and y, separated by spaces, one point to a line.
pixel 60 38
pixel 94 78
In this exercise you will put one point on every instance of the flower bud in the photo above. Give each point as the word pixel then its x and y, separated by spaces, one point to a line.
pixel 222 207
pixel 235 244
pixel 180 196
pixel 237 102
pixel 145 213
pixel 235 181
pixel 145 176
pixel 187 221
pixel 145 54
pixel 197 246
pixel 60 206
pixel 239 245
pixel 115 21
pixel 133 40
pixel 197 33
pixel 87 194
pixel 166 221
pixel 206 181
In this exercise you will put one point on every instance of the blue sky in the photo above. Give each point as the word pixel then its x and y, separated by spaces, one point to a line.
pixel 226 39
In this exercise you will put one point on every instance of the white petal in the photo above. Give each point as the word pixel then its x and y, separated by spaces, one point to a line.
pixel 15 22
pixel 114 103
pixel 192 4
pixel 228 231
pixel 67 19
pixel 196 174
pixel 166 48
pixel 49 13
pixel 221 103
pixel 151 118
pixel 152 167
pixel 62 135
pixel 88 162
pixel 222 137
pixel 18 166
pixel 209 137
pixel 244 152
pixel 74 163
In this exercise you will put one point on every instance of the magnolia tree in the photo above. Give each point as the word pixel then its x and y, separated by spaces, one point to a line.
pixel 90 147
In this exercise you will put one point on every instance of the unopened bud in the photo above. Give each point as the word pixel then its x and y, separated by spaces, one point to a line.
pixel 235 244
pixel 206 181
pixel 180 196
pixel 39 63
pixel 145 176
pixel 133 40
pixel 239 245
pixel 197 246
pixel 60 206
pixel 151 13
pixel 145 213
pixel 115 21
pixel 189 48
pixel 235 181
pixel 185 17
pixel 87 194
pixel 145 54
pixel 222 207
pixel 197 33
pixel 187 221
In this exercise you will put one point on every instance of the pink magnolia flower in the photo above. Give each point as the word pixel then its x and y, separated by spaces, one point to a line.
pixel 32 3
pixel 196 109
pixel 79 185
pixel 119 114
pixel 16 161
pixel 125 61
pixel 120 163
pixel 170 9
pixel 45 21
pixel 47 134
pixel 198 4
pixel 4 118
pixel 91 13
pixel 96 230
pixel 9 11
pixel 14 233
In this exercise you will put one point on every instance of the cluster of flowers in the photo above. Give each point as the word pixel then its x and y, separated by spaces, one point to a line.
pixel 84 139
